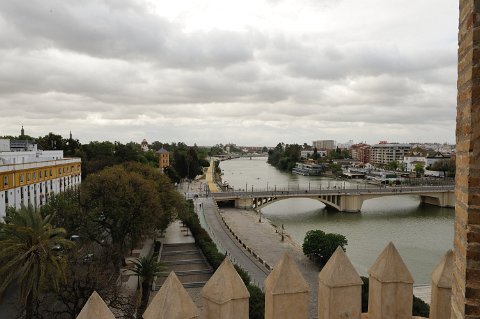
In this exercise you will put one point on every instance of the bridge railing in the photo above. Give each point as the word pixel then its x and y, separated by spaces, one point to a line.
pixel 332 191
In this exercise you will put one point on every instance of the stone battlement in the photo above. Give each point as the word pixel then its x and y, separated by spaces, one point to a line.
pixel 287 293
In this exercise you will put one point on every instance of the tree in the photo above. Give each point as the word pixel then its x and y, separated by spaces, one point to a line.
pixel 147 268
pixel 419 169
pixel 445 166
pixel 89 269
pixel 123 204
pixel 27 256
pixel 393 166
pixel 320 246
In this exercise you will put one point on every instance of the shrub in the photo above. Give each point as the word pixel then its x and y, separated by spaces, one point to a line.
pixel 319 246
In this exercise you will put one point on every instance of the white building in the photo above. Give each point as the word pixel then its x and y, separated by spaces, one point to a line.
pixel 309 153
pixel 31 177
pixel 411 161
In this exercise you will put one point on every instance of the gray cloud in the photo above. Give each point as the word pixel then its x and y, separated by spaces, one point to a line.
pixel 114 67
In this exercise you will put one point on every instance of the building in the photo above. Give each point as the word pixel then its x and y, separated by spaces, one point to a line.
pixel 361 153
pixel 29 176
pixel 163 158
pixel 385 153
pixel 324 145
pixel 144 145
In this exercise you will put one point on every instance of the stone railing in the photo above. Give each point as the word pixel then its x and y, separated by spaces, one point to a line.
pixel 287 293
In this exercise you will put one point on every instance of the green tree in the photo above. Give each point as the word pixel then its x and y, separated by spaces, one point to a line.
pixel 123 205
pixel 284 157
pixel 147 268
pixel 445 166
pixel 27 257
pixel 419 169
pixel 320 246
pixel 393 166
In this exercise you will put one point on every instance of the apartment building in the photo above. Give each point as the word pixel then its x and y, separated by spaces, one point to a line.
pixel 30 176
pixel 361 153
pixel 324 145
pixel 384 153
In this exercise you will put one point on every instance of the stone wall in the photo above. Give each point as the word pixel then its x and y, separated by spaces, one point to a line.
pixel 287 293
pixel 466 282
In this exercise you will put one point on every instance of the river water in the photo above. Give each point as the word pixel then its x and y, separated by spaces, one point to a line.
pixel 421 233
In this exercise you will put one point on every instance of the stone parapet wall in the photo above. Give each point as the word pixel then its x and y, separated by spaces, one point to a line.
pixel 287 293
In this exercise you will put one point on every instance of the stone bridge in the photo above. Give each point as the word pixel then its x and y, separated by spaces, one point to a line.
pixel 343 200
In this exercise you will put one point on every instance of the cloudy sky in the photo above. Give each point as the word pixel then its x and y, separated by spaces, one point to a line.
pixel 251 72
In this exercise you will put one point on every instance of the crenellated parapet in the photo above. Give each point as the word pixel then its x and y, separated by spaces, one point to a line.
pixel 287 293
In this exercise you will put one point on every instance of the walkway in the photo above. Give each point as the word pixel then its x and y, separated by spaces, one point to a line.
pixel 180 254
pixel 212 186
pixel 265 241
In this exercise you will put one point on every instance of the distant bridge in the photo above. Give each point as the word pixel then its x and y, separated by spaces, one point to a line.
pixel 343 200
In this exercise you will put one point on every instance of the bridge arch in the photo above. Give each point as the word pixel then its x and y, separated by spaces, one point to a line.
pixel 331 201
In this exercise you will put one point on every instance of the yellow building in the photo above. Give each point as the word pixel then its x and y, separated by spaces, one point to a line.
pixel 31 177
pixel 163 158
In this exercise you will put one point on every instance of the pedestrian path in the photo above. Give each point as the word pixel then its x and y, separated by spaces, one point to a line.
pixel 130 280
pixel 266 241
pixel 176 234
pixel 180 254
pixel 210 178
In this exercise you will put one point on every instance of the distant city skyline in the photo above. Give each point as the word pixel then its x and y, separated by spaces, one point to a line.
pixel 255 72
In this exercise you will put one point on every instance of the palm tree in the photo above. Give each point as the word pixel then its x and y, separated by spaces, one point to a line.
pixel 147 268
pixel 27 256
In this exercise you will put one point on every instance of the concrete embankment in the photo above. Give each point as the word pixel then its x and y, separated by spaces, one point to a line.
pixel 265 242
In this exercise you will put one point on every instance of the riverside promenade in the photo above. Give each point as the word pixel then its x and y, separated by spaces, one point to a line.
pixel 263 239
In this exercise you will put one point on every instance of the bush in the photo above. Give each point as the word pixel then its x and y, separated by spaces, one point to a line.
pixel 319 246
pixel 256 303
pixel 420 308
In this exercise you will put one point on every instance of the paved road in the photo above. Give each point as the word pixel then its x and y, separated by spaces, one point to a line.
pixel 221 235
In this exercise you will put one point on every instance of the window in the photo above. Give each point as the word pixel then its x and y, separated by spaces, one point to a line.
pixel 59 171
pixel 28 177
pixel 21 178
pixel 41 174
pixel 51 173
pixel 46 173
pixel 34 176
pixel 5 180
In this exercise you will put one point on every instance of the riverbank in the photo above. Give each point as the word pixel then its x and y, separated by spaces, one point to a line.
pixel 265 240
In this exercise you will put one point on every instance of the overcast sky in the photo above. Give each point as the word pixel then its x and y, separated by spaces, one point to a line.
pixel 251 72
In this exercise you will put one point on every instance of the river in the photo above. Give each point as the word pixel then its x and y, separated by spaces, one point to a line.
pixel 421 233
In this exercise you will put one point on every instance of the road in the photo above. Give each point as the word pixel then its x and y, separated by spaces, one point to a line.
pixel 228 243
